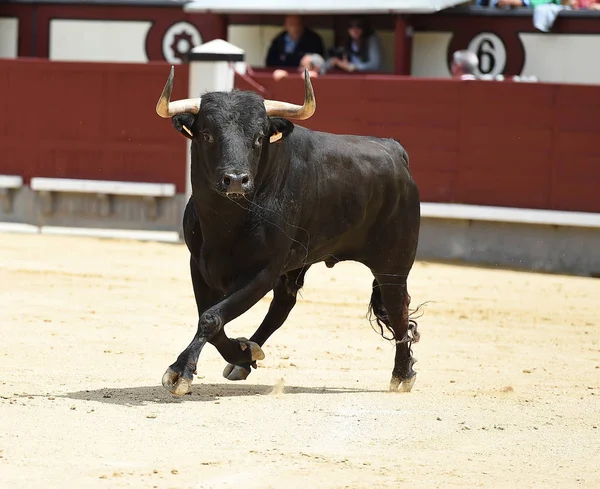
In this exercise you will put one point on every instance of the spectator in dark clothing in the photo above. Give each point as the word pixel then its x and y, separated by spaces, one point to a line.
pixel 288 48
pixel 361 50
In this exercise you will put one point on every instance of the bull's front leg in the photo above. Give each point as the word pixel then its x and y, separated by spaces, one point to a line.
pixel 246 292
pixel 178 377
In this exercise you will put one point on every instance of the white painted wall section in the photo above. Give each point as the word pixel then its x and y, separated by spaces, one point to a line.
pixel 254 40
pixel 9 37
pixel 98 40
pixel 429 54
pixel 102 187
pixel 561 58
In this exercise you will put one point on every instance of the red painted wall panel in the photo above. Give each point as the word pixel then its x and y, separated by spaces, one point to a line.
pixel 89 120
pixel 488 143
pixel 526 145
pixel 401 114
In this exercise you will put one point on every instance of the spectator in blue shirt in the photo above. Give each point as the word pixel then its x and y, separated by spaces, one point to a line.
pixel 288 48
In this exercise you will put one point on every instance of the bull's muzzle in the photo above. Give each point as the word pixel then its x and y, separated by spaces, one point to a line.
pixel 235 185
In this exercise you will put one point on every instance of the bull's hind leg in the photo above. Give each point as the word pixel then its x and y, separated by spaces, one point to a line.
pixel 284 299
pixel 389 303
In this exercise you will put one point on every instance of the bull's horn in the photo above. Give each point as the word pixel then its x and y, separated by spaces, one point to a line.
pixel 165 108
pixel 276 108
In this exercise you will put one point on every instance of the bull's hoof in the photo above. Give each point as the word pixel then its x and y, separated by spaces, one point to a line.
pixel 402 385
pixel 235 372
pixel 175 383
pixel 255 349
pixel 407 384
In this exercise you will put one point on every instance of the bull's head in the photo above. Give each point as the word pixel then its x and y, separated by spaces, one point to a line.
pixel 231 130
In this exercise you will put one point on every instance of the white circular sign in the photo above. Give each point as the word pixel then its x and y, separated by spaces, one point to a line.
pixel 178 40
pixel 490 51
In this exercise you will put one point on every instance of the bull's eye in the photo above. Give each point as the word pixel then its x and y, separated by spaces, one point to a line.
pixel 207 137
pixel 258 141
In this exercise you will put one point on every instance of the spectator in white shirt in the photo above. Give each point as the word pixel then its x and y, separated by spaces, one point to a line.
pixel 464 65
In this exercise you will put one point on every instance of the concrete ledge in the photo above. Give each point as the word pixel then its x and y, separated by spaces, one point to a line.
pixel 102 187
pixel 11 181
pixel 527 239
pixel 510 214
pixel 18 227
pixel 134 234
pixel 56 196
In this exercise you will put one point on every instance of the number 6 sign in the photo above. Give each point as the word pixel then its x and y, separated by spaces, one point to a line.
pixel 500 52
pixel 491 53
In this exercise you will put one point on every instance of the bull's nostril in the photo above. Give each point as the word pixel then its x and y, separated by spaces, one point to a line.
pixel 245 180
pixel 226 181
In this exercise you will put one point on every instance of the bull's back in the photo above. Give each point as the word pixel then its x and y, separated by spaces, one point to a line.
pixel 345 164
pixel 342 152
pixel 356 182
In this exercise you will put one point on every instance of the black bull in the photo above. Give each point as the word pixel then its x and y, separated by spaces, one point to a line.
pixel 269 199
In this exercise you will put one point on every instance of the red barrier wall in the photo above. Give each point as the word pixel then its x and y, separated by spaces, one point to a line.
pixel 89 120
pixel 488 143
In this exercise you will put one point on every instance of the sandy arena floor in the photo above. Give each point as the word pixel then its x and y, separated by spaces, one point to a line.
pixel 507 393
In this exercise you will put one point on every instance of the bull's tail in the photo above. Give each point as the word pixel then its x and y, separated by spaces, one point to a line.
pixel 377 309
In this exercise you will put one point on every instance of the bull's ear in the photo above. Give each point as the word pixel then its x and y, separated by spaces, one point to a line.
pixel 279 129
pixel 184 123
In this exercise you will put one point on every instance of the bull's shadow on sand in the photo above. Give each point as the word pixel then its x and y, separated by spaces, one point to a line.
pixel 156 394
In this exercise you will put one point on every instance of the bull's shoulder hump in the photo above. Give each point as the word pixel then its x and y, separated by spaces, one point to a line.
pixel 352 146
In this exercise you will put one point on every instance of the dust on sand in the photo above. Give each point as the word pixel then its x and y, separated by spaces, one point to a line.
pixel 507 393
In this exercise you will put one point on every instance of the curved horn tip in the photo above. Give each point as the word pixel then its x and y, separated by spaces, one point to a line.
pixel 308 84
pixel 162 106
pixel 171 77
pixel 310 101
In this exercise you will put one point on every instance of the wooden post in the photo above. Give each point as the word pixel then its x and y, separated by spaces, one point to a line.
pixel 222 25
pixel 403 43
